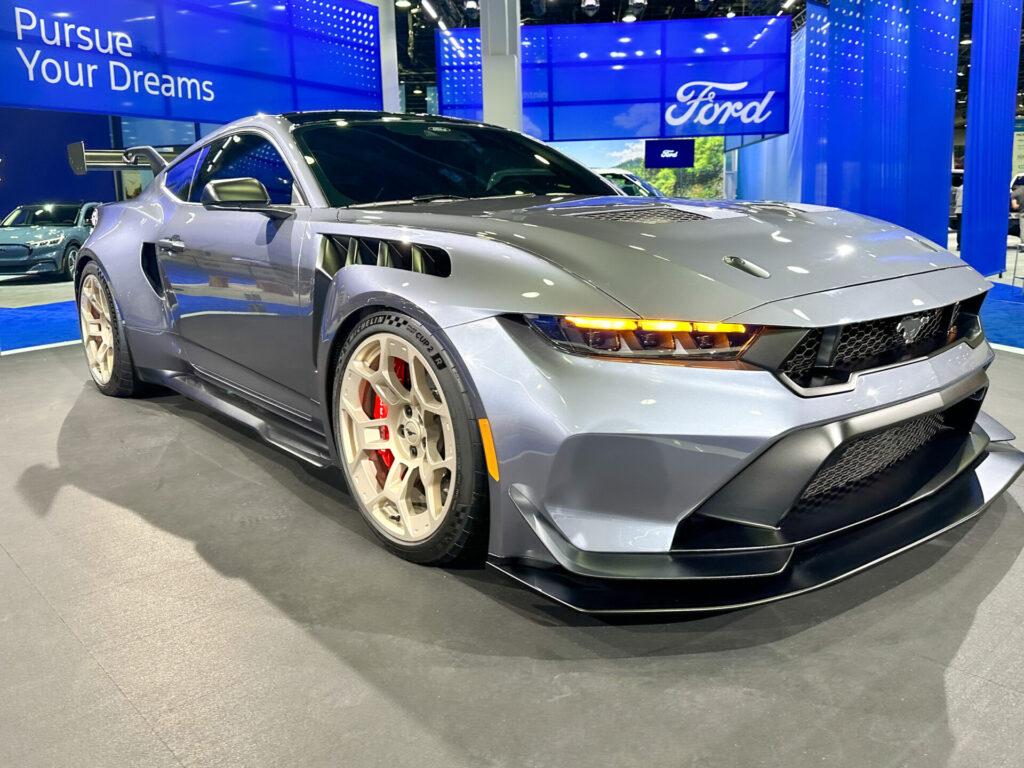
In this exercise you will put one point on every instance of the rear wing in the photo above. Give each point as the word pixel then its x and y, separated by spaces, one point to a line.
pixel 83 160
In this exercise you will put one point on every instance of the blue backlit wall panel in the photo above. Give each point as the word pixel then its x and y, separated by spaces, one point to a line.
pixel 189 60
pixel 658 79
pixel 773 169
pixel 878 100
pixel 891 76
pixel 990 115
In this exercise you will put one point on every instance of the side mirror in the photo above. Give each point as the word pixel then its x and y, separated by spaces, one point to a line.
pixel 245 194
pixel 235 193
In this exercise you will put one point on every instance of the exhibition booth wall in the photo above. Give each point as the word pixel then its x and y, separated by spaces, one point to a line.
pixel 855 109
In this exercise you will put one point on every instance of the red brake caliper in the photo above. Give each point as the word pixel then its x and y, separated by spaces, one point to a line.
pixel 380 411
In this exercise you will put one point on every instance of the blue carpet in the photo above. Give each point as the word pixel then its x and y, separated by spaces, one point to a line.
pixel 42 324
pixel 1002 315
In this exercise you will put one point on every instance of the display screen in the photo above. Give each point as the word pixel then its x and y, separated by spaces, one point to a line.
pixel 189 61
pixel 654 79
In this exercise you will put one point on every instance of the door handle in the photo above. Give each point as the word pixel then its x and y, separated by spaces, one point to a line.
pixel 172 244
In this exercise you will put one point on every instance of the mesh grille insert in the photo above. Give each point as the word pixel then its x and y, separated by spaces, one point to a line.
pixel 863 459
pixel 871 344
pixel 644 215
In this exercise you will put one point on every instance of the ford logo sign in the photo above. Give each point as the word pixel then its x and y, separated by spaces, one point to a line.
pixel 699 104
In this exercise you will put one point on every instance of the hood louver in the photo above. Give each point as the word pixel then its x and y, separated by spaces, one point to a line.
pixel 644 215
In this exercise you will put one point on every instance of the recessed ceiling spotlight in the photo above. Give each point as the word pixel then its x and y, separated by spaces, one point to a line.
pixel 590 7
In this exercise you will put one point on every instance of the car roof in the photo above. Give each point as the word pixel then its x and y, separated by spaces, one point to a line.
pixel 355 115
pixel 76 203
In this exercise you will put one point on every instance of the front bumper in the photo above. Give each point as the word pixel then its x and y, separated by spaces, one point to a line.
pixel 598 490
pixel 799 570
pixel 22 260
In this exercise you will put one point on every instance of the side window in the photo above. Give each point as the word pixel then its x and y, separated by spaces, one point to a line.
pixel 87 214
pixel 246 155
pixel 178 179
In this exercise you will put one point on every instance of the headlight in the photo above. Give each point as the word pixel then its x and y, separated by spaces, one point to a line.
pixel 47 242
pixel 676 340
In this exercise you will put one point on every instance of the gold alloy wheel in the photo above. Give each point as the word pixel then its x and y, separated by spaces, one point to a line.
pixel 397 438
pixel 97 329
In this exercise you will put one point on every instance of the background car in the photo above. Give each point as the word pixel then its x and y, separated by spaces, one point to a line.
pixel 625 404
pixel 630 183
pixel 44 239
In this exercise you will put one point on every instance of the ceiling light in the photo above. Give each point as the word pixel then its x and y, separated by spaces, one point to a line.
pixel 403 4
pixel 788 3
pixel 590 7
pixel 429 9
pixel 635 9
pixel 472 9
pixel 730 14
pixel 965 41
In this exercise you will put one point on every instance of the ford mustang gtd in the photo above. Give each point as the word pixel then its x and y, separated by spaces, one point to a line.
pixel 627 404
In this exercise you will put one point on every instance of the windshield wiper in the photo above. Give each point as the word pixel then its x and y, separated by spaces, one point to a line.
pixel 409 201
pixel 430 198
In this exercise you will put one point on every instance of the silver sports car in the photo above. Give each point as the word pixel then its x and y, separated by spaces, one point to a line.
pixel 627 404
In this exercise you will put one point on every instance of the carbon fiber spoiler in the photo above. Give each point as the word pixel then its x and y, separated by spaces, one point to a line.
pixel 83 160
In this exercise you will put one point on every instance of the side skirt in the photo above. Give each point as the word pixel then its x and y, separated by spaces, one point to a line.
pixel 283 433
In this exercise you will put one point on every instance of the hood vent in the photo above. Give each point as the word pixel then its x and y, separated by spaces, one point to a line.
pixel 341 251
pixel 646 214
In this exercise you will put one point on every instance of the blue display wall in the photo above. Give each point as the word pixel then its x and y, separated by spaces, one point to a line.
pixel 991 104
pixel 877 111
pixel 189 60
pixel 657 79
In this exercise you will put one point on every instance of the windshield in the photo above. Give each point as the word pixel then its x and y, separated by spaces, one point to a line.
pixel 374 161
pixel 42 215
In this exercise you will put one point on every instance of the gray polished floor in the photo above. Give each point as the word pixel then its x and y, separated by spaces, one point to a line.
pixel 174 592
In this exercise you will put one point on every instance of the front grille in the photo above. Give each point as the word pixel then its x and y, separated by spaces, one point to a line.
pixel 831 355
pixel 863 459
pixel 865 341
pixel 644 215
pixel 14 251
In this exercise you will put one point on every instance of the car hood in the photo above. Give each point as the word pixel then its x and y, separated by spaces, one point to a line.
pixel 715 258
pixel 22 235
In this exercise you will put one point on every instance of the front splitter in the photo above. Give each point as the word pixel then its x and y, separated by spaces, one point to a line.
pixel 812 567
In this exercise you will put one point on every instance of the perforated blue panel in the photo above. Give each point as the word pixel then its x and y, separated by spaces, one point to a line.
pixel 878 109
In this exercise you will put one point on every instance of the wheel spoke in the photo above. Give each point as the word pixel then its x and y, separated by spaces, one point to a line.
pixel 423 389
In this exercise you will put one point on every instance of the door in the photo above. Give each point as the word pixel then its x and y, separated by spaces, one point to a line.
pixel 241 311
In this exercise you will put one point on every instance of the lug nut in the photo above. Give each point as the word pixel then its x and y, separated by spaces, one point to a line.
pixel 413 451
pixel 401 430
pixel 408 411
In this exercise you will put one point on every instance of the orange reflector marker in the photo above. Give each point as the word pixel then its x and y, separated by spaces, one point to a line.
pixel 489 454
pixel 602 323
pixel 666 326
pixel 720 327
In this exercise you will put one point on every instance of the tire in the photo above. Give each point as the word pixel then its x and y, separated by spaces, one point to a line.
pixel 115 376
pixel 68 262
pixel 450 526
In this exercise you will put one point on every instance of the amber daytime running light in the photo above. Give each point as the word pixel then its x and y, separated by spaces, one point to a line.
pixel 641 338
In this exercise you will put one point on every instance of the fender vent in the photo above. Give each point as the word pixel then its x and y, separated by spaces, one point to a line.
pixel 151 269
pixel 394 254
pixel 646 214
